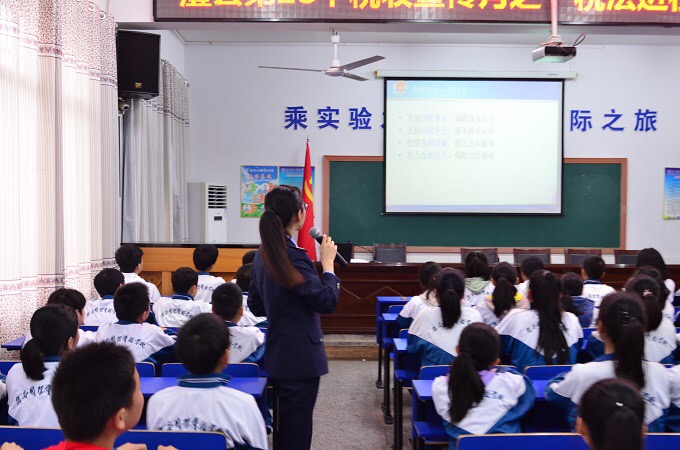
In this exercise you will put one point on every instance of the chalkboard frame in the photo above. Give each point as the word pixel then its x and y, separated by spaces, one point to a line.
pixel 623 162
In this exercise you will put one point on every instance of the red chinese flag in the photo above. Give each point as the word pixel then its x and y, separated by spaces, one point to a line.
pixel 304 240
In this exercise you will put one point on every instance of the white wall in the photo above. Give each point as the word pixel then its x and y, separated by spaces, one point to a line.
pixel 237 114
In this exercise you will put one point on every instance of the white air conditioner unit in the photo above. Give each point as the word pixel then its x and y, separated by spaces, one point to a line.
pixel 207 213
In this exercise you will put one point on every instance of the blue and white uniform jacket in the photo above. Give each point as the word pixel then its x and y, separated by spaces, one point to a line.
pixel 30 401
pixel 206 285
pixel 519 336
pixel 660 344
pixel 154 294
pixel 507 398
pixel 566 390
pixel 250 319
pixel 175 311
pixel 205 403
pixel 673 422
pixel 144 340
pixel 472 299
pixel 595 291
pixel 414 306
pixel 98 312
pixel 435 344
pixel 246 344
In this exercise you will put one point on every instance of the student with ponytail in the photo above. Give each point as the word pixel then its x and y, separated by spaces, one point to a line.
pixel 477 284
pixel 621 325
pixel 504 297
pixel 286 288
pixel 651 257
pixel 667 309
pixel 611 416
pixel 476 398
pixel 434 333
pixel 543 334
pixel 427 275
pixel 29 384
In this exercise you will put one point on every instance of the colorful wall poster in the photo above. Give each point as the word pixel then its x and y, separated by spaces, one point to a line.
pixel 292 175
pixel 671 194
pixel 256 181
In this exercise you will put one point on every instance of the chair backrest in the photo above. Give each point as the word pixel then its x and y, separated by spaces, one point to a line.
pixel 539 441
pixel 432 372
pixel 247 370
pixel 89 327
pixel 403 333
pixel 546 372
pixel 389 253
pixel 521 254
pixel 395 309
pixel 490 253
pixel 146 369
pixel 577 255
pixel 625 256
pixel 587 332
pixel 173 370
pixel 6 365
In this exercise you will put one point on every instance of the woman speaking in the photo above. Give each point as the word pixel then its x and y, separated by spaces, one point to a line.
pixel 285 286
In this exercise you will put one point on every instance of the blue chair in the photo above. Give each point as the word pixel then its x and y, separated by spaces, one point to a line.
pixel 245 370
pixel 6 365
pixel 395 309
pixel 146 369
pixel 563 441
pixel 432 372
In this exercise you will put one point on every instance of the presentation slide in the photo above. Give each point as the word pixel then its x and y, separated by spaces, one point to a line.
pixel 473 146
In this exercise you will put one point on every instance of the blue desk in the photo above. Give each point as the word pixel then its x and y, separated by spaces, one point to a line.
pixel 382 305
pixel 406 369
pixel 14 345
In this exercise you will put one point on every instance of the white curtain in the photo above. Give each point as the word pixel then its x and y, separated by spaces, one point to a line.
pixel 59 220
pixel 155 157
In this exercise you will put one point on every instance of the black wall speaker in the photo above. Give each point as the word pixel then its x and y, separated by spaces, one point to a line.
pixel 138 56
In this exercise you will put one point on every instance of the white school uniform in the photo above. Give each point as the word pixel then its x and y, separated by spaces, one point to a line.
pixel 99 312
pixel 669 312
pixel 519 331
pixel 249 319
pixel 142 339
pixel 84 337
pixel 472 299
pixel 435 344
pixel 175 311
pixel 660 344
pixel 206 285
pixel 417 303
pixel 207 404
pixel 670 284
pixel 154 294
pixel 673 422
pixel 523 287
pixel 30 401
pixel 245 343
pixel 595 291
pixel 655 392
pixel 486 309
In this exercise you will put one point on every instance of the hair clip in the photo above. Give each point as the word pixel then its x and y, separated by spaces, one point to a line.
pixel 619 404
pixel 646 293
pixel 626 318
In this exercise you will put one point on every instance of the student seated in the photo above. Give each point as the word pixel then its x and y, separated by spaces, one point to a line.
pixel 592 272
pixel 668 309
pixel 660 339
pixel 651 257
pixel 205 257
pixel 246 342
pixel 129 260
pixel 477 284
pixel 528 267
pixel 528 335
pixel 242 280
pixel 621 325
pixel 477 398
pixel 146 342
pixel 175 311
pixel 434 333
pixel 99 312
pixel 504 297
pixel 202 401
pixel 611 416
pixel 427 277
pixel 97 397
pixel 29 384
pixel 76 301
pixel 572 300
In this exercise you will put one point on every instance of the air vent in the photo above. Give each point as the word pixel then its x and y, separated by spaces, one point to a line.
pixel 217 196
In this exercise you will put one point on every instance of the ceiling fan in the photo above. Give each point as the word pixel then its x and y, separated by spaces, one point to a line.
pixel 336 70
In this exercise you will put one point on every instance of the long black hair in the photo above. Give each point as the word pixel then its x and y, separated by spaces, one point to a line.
pixel 544 288
pixel 648 290
pixel 503 296
pixel 654 273
pixel 652 257
pixel 280 206
pixel 450 290
pixel 51 328
pixel 623 319
pixel 478 349
pixel 614 412
pixel 477 265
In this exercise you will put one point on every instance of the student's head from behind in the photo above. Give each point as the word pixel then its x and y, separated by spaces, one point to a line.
pixel 450 290
pixel 531 265
pixel 248 257
pixel 129 258
pixel 593 267
pixel 70 297
pixel 477 265
pixel 243 277
pixel 648 290
pixel 227 302
pixel 185 281
pixel 544 295
pixel 611 416
pixel 205 257
pixel 108 281
pixel 572 286
pixel 622 323
pixel 203 344
pixel 131 302
pixel 427 275
pixel 652 257
pixel 654 273
pixel 478 349
pixel 54 332
pixel 504 277
pixel 95 390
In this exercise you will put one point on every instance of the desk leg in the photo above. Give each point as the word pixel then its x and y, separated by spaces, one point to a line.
pixel 398 415
pixel 387 415
pixel 379 382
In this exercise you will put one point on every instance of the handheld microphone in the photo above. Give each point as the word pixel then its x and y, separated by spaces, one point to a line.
pixel 316 234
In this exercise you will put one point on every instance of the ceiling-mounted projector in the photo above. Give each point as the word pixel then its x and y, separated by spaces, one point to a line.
pixel 553 53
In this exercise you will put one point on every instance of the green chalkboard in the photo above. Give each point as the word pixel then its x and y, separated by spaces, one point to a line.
pixel 591 213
